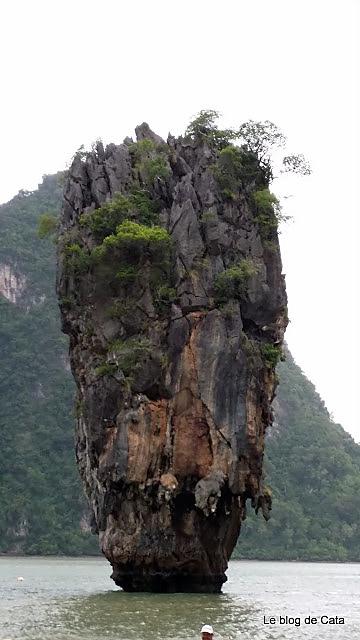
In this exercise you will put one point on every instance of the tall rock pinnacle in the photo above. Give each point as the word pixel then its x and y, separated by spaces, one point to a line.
pixel 170 288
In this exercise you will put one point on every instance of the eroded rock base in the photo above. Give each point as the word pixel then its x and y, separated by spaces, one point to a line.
pixel 167 582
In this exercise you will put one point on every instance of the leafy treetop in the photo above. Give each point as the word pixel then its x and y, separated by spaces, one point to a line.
pixel 257 137
pixel 204 128
pixel 47 225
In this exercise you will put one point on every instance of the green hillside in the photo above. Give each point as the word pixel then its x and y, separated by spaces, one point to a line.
pixel 41 502
pixel 313 466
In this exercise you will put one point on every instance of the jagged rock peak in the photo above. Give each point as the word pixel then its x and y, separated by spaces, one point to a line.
pixel 171 291
pixel 143 132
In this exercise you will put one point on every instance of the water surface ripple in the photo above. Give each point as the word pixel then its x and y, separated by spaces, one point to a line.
pixel 74 599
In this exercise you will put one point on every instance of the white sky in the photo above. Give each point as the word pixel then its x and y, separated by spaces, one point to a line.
pixel 73 71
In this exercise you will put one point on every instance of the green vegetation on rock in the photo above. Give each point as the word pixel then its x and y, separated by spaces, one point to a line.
pixel 127 274
pixel 121 308
pixel 268 212
pixel 135 251
pixel 151 160
pixel 204 128
pixel 232 283
pixel 164 296
pixel 271 354
pixel 243 163
pixel 129 354
pixel 134 240
pixel 265 201
pixel 237 168
pixel 106 369
pixel 153 168
pixel 137 206
pixel 76 258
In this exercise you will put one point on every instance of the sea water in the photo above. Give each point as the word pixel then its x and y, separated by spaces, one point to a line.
pixel 74 599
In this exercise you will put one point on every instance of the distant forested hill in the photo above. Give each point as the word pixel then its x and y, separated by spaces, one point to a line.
pixel 313 468
pixel 41 502
pixel 313 465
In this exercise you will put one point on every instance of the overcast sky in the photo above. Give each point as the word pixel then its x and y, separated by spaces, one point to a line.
pixel 75 71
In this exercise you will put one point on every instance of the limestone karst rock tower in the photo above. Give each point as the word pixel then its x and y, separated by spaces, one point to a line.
pixel 171 291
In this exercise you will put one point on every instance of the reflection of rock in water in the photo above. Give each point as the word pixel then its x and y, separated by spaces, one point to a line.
pixel 157 616
pixel 172 352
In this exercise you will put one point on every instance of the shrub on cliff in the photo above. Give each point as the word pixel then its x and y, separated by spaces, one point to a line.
pixel 249 161
pixel 153 168
pixel 127 274
pixel 268 212
pixel 136 205
pixel 137 252
pixel 150 160
pixel 129 355
pixel 265 201
pixel 237 168
pixel 271 354
pixel 106 369
pixel 135 239
pixel 228 170
pixel 205 129
pixel 260 138
pixel 164 295
pixel 76 259
pixel 232 283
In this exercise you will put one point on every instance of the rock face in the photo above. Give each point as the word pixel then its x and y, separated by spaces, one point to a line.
pixel 11 284
pixel 172 343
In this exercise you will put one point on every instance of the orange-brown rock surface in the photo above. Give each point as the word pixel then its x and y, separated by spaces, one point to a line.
pixel 174 365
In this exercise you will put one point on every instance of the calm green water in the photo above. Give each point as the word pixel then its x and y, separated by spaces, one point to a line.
pixel 74 599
